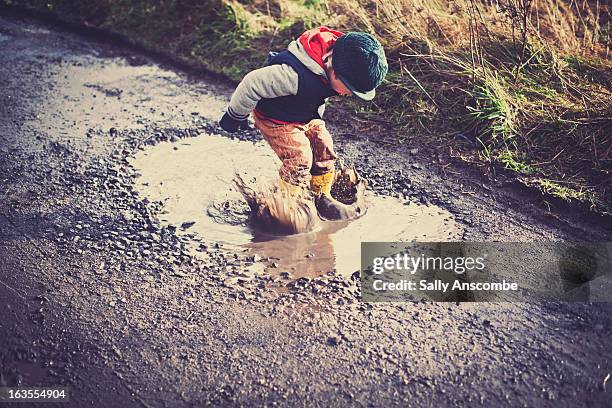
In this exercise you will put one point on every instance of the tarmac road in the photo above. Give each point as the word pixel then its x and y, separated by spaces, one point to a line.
pixel 98 295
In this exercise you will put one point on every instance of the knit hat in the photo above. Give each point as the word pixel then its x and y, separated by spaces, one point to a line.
pixel 359 61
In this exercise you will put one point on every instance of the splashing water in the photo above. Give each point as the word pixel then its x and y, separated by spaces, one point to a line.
pixel 195 180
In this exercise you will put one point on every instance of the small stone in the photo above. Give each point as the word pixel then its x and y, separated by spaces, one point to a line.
pixel 187 224
pixel 333 340
pixel 254 258
pixel 233 281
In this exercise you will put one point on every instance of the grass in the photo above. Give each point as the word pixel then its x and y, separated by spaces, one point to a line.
pixel 492 113
pixel 528 81
pixel 569 194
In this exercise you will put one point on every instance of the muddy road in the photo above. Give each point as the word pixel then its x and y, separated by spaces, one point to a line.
pixel 127 272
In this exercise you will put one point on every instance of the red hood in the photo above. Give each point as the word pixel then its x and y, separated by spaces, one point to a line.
pixel 318 41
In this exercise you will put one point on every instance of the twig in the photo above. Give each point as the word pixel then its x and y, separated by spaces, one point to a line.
pixel 420 86
pixel 525 8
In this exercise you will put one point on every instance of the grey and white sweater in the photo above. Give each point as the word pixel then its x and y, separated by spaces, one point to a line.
pixel 271 82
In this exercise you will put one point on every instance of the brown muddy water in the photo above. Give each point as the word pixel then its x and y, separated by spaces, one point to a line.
pixel 194 181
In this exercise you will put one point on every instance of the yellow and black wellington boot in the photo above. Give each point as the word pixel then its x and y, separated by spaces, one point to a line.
pixel 322 184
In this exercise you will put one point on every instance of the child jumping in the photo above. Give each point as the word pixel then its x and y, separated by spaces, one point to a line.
pixel 288 98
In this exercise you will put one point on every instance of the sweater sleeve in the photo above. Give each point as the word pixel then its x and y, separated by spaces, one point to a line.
pixel 267 82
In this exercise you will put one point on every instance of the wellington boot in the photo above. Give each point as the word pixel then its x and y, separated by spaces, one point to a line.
pixel 331 209
pixel 322 184
pixel 280 210
pixel 345 200
pixel 293 210
pixel 290 190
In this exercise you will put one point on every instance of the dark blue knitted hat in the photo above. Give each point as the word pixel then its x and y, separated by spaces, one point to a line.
pixel 359 61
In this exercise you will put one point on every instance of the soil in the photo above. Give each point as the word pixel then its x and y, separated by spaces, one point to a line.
pixel 130 299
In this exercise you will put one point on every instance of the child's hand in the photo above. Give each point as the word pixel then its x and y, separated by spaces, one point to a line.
pixel 232 125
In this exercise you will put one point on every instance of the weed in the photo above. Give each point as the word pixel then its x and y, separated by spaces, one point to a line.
pixel 492 113
pixel 510 160
pixel 569 194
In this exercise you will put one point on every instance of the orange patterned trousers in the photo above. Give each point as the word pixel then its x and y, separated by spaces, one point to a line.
pixel 304 149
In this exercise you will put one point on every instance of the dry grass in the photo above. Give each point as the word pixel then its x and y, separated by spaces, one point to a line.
pixel 529 80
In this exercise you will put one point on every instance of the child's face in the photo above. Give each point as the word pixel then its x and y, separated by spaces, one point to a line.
pixel 335 82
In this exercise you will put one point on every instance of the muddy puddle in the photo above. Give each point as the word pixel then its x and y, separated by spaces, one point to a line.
pixel 193 178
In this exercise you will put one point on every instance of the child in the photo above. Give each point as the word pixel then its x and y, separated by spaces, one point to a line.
pixel 288 97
